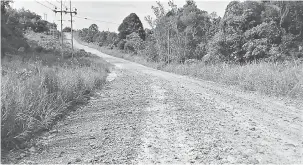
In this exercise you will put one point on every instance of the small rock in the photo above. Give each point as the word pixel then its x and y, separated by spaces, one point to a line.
pixel 253 161
pixel 218 157
pixel 187 129
pixel 290 145
pixel 78 160
pixel 60 154
pixel 28 162
pixel 176 157
pixel 53 131
pixel 230 159
pixel 21 49
pixel 192 161
pixel 149 145
pixel 92 137
pixel 261 151
pixel 32 149
pixel 22 155
pixel 253 128
pixel 245 156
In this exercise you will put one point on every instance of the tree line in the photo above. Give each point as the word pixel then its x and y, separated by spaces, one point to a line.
pixel 248 31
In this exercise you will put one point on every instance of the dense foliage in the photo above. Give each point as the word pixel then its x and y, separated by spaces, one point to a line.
pixel 102 38
pixel 14 23
pixel 67 29
pixel 249 31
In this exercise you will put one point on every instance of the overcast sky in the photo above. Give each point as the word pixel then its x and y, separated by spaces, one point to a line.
pixel 108 11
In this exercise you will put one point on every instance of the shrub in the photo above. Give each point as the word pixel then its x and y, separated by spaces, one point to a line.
pixel 150 52
pixel 133 43
pixel 39 49
pixel 121 44
pixel 129 46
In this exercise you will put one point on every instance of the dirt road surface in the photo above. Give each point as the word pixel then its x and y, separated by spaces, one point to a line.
pixel 149 116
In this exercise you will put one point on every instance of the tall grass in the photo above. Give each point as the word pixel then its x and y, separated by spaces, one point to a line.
pixel 36 90
pixel 277 79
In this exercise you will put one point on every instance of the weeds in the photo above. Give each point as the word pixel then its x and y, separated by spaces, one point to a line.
pixel 278 79
pixel 37 89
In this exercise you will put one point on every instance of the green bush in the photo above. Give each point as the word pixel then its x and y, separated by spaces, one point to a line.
pixel 121 44
pixel 39 49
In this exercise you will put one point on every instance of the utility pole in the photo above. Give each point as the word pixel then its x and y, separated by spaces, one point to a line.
pixel 65 11
pixel 168 46
pixel 61 31
pixel 71 26
pixel 45 16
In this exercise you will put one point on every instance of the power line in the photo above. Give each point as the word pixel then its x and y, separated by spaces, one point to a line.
pixel 63 4
pixel 51 3
pixel 44 5
pixel 96 20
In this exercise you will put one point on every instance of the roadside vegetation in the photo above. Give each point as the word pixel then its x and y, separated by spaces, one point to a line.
pixel 38 85
pixel 255 45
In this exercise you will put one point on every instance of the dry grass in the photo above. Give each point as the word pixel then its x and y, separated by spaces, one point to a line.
pixel 39 88
pixel 277 79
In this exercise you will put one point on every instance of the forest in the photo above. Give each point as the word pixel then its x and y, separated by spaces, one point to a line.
pixel 249 31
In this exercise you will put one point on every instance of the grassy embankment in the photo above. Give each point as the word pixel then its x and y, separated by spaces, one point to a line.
pixel 275 79
pixel 39 86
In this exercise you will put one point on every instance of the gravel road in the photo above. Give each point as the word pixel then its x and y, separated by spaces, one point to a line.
pixel 145 116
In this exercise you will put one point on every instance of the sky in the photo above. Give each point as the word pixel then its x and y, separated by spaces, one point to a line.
pixel 109 14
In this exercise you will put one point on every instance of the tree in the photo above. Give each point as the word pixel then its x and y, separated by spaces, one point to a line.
pixel 11 29
pixel 133 43
pixel 130 24
pixel 41 26
pixel 93 29
pixel 67 29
